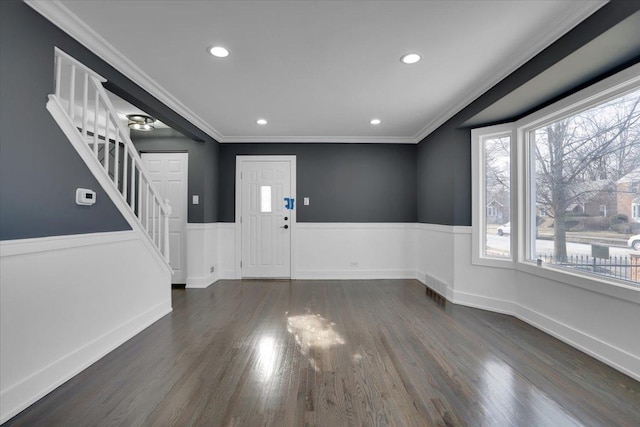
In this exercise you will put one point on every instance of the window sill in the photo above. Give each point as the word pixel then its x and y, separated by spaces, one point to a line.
pixel 493 262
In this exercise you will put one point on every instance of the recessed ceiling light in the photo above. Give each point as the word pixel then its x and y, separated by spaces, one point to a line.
pixel 261 121
pixel 410 58
pixel 219 52
pixel 375 121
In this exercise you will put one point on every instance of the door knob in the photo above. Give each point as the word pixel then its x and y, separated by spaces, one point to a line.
pixel 285 226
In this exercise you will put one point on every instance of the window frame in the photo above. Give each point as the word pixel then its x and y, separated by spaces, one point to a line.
pixel 602 210
pixel 479 202
pixel 523 206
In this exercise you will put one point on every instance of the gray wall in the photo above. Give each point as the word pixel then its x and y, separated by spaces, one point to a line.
pixel 444 157
pixel 203 167
pixel 39 169
pixel 444 177
pixel 345 182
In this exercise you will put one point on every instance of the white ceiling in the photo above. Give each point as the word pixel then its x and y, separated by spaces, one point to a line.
pixel 318 71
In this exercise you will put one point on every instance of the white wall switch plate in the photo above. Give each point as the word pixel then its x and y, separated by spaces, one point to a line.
pixel 306 201
pixel 196 199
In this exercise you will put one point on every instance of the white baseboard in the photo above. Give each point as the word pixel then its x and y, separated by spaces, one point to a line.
pixel 617 358
pixel 202 282
pixel 227 274
pixel 21 395
pixel 354 274
pixel 484 303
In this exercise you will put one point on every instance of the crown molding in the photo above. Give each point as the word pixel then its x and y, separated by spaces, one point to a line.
pixel 71 24
pixel 548 35
pixel 321 139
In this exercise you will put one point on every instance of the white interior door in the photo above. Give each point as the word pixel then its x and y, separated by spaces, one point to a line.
pixel 168 172
pixel 265 221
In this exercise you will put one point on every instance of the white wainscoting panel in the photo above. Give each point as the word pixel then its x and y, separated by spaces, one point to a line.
pixel 68 301
pixel 434 257
pixel 604 326
pixel 227 250
pixel 488 288
pixel 202 254
pixel 355 250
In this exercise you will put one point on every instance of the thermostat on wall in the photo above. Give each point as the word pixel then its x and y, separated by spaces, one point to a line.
pixel 85 197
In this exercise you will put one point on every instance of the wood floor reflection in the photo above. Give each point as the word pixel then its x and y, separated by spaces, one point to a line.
pixel 338 353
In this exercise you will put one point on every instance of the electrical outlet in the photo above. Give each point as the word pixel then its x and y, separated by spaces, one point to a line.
pixel 354 265
pixel 212 269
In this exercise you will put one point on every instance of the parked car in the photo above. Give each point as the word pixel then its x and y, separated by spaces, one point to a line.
pixel 634 242
pixel 504 229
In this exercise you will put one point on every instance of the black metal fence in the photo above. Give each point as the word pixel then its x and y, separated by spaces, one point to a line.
pixel 619 267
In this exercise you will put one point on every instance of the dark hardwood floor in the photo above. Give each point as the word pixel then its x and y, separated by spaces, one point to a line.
pixel 337 353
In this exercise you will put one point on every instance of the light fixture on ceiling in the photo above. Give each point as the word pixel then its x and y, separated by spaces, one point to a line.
pixel 410 58
pixel 219 52
pixel 375 121
pixel 141 122
pixel 261 121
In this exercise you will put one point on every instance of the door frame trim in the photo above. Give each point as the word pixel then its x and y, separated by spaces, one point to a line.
pixel 240 160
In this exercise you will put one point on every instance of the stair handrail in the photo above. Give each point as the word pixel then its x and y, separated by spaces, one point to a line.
pixel 160 238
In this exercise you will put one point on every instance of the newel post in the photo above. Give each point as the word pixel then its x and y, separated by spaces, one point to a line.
pixel 166 214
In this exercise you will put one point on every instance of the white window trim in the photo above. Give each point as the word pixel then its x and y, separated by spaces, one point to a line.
pixel 635 210
pixel 479 202
pixel 523 209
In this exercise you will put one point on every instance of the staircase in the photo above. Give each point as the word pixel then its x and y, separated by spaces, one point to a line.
pixel 83 110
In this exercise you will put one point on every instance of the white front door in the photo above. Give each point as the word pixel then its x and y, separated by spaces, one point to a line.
pixel 266 222
pixel 168 172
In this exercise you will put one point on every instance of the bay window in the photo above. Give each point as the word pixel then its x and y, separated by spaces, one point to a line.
pixel 564 172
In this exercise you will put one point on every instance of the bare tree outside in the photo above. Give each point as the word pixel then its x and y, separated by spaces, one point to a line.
pixel 498 170
pixel 583 155
pixel 497 167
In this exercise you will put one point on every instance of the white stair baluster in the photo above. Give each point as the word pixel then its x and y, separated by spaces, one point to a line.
pixel 167 214
pixel 159 224
pixel 95 126
pixel 58 75
pixel 85 106
pixel 72 92
pixel 133 189
pixel 116 159
pixel 153 218
pixel 146 208
pixel 106 140
pixel 125 172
